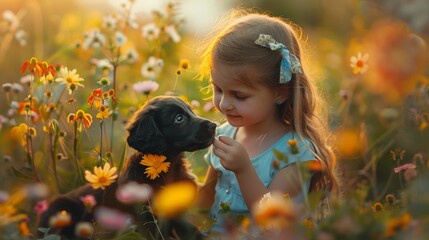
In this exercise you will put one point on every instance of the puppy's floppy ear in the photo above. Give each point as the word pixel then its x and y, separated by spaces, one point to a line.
pixel 144 135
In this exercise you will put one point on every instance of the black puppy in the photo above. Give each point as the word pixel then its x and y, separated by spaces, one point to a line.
pixel 166 126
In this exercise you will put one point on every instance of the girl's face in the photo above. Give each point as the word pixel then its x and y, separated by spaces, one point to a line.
pixel 240 97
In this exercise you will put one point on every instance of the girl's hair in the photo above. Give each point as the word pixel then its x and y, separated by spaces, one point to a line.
pixel 233 42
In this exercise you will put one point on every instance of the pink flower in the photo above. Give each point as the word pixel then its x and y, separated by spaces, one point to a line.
pixel 41 206
pixel 208 106
pixel 145 87
pixel 133 192
pixel 4 196
pixel 88 201
pixel 195 103
pixel 113 219
pixel 404 167
pixel 409 174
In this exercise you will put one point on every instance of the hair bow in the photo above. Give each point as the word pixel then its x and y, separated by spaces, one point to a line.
pixel 289 64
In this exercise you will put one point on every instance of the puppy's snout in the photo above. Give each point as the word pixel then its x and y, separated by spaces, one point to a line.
pixel 207 130
pixel 211 125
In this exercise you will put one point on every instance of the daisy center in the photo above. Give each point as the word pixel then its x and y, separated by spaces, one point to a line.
pixel 102 179
pixel 69 79
pixel 156 164
pixel 359 63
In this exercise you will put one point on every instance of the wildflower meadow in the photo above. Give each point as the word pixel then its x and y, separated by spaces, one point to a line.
pixel 74 72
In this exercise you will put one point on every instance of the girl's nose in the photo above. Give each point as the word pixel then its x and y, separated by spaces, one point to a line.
pixel 225 104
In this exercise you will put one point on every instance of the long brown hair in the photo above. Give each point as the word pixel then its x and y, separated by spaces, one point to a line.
pixel 233 42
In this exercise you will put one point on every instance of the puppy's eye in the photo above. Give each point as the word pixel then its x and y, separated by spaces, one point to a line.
pixel 179 118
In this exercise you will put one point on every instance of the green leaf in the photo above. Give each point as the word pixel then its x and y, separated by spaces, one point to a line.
pixel 20 174
pixel 51 237
pixel 280 156
pixel 123 156
pixel 314 199
pixel 129 235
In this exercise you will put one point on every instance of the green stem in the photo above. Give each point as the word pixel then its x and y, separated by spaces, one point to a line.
pixel 155 220
pixel 303 185
pixel 101 142
pixel 30 154
pixel 54 163
pixel 75 153
pixel 400 176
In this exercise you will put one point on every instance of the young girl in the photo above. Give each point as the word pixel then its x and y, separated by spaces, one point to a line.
pixel 260 86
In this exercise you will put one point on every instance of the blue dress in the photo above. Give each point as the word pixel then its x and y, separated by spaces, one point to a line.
pixel 227 188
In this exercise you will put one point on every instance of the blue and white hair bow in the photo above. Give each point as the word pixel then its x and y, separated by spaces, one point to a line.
pixel 289 64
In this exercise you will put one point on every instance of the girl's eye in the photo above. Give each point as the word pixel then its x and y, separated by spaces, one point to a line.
pixel 240 97
pixel 179 118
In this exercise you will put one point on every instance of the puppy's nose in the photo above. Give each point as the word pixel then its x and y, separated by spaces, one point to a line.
pixel 212 125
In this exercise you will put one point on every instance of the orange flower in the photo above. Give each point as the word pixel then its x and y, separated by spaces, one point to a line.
pixel 94 99
pixel 97 97
pixel 398 60
pixel 41 68
pixel 314 166
pixel 395 225
pixel 86 118
pixel 293 146
pixel 275 212
pixel 24 108
pixel 81 117
pixel 348 142
pixel 60 220
pixel 155 165
pixel 46 69
pixel 24 229
pixel 84 229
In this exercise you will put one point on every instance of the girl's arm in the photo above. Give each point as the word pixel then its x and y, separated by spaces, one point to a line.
pixel 233 156
pixel 285 181
pixel 207 190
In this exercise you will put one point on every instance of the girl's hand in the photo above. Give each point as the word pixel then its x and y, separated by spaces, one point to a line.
pixel 233 156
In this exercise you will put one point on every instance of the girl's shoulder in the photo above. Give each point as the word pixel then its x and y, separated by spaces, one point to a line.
pixel 294 148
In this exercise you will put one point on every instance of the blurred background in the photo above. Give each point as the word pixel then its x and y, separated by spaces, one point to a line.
pixel 368 59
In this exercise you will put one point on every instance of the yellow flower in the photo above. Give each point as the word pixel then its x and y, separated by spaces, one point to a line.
pixel 377 207
pixel 184 63
pixel 8 210
pixel 103 112
pixel 48 79
pixel 70 78
pixel 19 133
pixel 104 81
pixel 102 177
pixel 155 165
pixel 359 63
pixel 184 193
